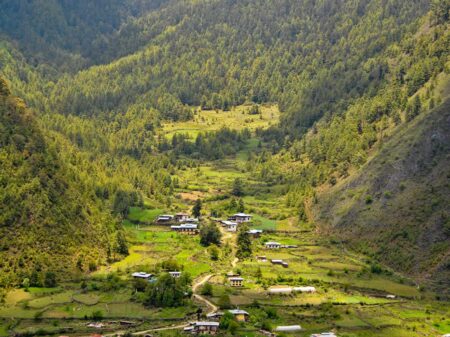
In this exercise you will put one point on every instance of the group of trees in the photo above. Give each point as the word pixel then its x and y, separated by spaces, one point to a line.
pixel 210 234
pixel 210 145
pixel 168 291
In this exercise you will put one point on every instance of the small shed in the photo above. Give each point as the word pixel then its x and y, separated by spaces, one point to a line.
pixel 165 219
pixel 256 233
pixel 142 275
pixel 175 274
pixel 240 315
pixel 261 258
pixel 288 328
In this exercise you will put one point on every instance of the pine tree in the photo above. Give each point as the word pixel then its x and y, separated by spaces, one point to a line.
pixel 237 189
pixel 197 209
pixel 244 243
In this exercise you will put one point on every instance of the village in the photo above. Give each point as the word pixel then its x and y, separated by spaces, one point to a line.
pixel 184 224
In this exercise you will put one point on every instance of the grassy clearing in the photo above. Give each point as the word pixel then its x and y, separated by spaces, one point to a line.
pixel 237 119
pixel 143 215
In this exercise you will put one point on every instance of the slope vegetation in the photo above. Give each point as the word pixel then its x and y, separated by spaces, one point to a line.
pixel 50 221
pixel 396 207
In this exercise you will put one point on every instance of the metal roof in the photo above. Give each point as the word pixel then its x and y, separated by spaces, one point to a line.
pixel 206 323
pixel 242 215
pixel 238 312
pixel 288 328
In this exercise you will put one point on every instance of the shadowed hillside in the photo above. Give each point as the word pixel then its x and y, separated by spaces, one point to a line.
pixel 396 208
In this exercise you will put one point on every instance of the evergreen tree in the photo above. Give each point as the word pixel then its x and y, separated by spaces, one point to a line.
pixel 121 245
pixel 237 189
pixel 197 209
pixel 244 243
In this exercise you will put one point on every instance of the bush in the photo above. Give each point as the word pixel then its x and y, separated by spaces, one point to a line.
pixel 224 302
pixel 207 289
pixel 97 315
pixel 210 234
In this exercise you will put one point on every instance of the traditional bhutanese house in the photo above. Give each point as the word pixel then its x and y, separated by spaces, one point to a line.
pixel 272 245
pixel 289 246
pixel 175 274
pixel 285 264
pixel 324 334
pixel 307 289
pixel 203 328
pixel 164 219
pixel 240 217
pixel 261 258
pixel 230 226
pixel 187 228
pixel 181 217
pixel 288 328
pixel 236 281
pixel 256 233
pixel 142 275
pixel 390 297
pixel 240 315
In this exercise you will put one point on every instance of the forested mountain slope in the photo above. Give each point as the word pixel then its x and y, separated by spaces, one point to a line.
pixel 311 58
pixel 396 208
pixel 67 33
pixel 49 218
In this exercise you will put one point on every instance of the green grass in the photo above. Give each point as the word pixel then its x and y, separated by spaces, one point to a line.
pixel 260 222
pixel 143 215
pixel 211 120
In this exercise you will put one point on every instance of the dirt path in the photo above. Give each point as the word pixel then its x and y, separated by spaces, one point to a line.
pixel 196 286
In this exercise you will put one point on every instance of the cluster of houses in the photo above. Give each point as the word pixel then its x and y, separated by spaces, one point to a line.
pixel 233 222
pixel 180 222
pixel 167 219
